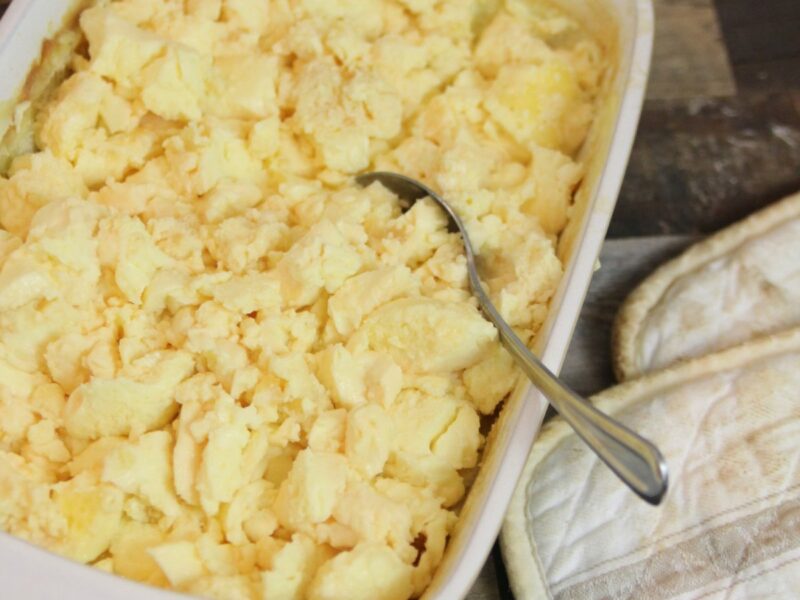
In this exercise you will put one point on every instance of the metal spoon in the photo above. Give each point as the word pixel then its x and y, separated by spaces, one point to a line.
pixel 636 461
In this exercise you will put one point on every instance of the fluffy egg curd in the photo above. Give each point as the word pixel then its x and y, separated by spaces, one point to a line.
pixel 224 368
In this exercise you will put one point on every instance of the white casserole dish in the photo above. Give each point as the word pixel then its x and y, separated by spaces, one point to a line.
pixel 626 27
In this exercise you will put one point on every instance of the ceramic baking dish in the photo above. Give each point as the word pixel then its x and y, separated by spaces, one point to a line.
pixel 626 28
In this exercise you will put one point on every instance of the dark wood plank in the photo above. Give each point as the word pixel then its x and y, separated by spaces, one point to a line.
pixel 744 12
pixel 699 165
pixel 776 75
pixel 760 30
pixel 763 43
pixel 492 583
pixel 503 586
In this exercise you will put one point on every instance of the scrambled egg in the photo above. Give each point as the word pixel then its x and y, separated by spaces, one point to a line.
pixel 224 368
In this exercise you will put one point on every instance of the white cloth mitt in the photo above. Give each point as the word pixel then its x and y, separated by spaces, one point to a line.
pixel 729 427
pixel 741 282
pixel 728 424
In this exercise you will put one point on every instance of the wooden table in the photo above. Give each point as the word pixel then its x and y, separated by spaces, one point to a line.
pixel 719 138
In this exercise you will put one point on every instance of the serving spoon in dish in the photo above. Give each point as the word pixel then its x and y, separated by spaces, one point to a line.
pixel 635 460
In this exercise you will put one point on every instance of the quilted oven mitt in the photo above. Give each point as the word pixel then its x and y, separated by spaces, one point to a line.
pixel 725 411
pixel 735 285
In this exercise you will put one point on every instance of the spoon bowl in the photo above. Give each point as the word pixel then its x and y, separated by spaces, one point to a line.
pixel 635 460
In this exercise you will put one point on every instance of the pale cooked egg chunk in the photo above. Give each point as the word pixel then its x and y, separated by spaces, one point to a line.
pixel 227 370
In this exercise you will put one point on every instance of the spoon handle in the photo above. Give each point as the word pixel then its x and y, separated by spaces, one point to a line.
pixel 635 460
